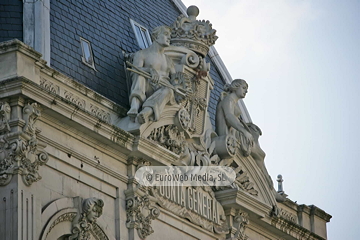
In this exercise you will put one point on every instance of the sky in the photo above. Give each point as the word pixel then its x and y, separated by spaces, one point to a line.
pixel 301 59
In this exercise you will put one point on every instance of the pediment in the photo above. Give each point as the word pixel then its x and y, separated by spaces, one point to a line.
pixel 256 180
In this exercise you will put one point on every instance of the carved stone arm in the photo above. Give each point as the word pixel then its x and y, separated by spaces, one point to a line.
pixel 234 122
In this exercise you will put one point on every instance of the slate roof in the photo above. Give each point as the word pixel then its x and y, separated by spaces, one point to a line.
pixel 106 24
pixel 11 20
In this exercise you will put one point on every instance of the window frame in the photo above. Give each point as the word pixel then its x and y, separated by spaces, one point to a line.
pixel 139 37
pixel 92 64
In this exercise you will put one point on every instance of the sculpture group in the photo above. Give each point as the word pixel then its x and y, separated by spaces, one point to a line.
pixel 170 92
pixel 155 85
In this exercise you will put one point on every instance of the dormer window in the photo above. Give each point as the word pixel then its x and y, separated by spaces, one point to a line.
pixel 87 55
pixel 142 34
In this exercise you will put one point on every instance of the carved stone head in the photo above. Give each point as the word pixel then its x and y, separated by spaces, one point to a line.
pixel 234 85
pixel 92 208
pixel 239 87
pixel 161 35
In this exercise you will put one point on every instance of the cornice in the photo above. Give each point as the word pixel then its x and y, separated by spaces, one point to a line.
pixel 56 105
pixel 63 80
pixel 319 213
pixel 149 150
pixel 308 209
pixel 289 203
pixel 294 229
pixel 233 198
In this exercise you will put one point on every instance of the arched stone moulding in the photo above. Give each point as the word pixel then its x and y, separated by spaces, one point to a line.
pixel 58 219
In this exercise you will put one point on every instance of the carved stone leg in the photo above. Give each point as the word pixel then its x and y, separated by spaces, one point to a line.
pixel 135 105
pixel 144 115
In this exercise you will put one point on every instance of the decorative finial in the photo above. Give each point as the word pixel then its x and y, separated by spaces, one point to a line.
pixel 193 12
pixel 280 185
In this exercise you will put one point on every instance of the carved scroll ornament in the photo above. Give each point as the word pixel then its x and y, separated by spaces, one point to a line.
pixel 140 213
pixel 31 112
pixel 241 220
pixel 4 117
pixel 21 153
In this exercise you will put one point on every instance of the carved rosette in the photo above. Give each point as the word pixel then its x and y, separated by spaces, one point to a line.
pixel 139 214
pixel 226 146
pixel 22 153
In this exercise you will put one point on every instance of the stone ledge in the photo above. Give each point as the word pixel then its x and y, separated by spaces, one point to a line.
pixel 320 213
pixel 17 45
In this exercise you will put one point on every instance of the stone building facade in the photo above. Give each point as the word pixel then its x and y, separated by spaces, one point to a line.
pixel 70 150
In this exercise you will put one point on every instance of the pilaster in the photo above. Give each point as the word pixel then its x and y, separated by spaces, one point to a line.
pixel 20 211
pixel 36 26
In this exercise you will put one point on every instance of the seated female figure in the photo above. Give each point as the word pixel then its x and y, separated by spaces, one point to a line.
pixel 228 115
